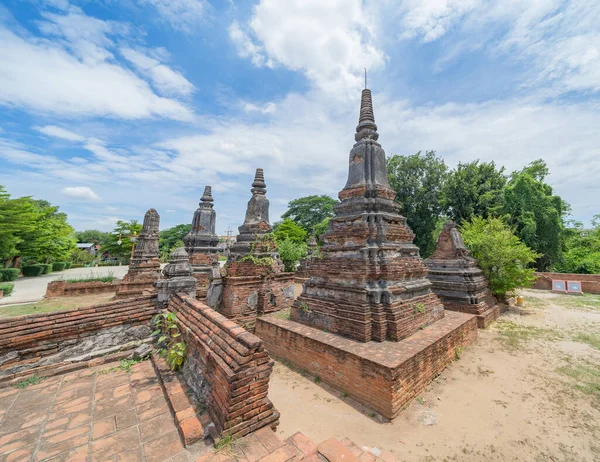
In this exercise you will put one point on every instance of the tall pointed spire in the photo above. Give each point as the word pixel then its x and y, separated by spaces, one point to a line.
pixel 202 238
pixel 366 121
pixel 207 197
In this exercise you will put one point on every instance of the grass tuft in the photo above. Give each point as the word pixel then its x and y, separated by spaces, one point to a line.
pixel 33 380
pixel 516 336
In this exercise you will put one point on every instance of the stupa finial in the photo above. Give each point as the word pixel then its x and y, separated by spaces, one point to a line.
pixel 366 128
pixel 259 185
pixel 207 196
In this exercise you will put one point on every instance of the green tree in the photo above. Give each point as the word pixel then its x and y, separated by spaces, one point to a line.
pixel 93 236
pixel 289 229
pixel 503 258
pixel 169 237
pixel 581 249
pixel 291 253
pixel 310 210
pixel 419 181
pixel 123 231
pixel 81 257
pixel 52 238
pixel 474 189
pixel 17 217
pixel 536 213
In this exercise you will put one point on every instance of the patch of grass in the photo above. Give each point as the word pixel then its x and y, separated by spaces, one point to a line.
pixel 226 442
pixel 585 302
pixel 458 352
pixel 592 340
pixel 33 380
pixel 420 400
pixel 284 314
pixel 125 365
pixel 317 379
pixel 535 302
pixel 54 304
pixel 345 394
pixel 516 336
pixel 586 377
pixel 92 278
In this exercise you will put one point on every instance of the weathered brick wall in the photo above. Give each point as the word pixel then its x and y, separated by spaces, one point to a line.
pixel 235 364
pixel 590 283
pixel 384 376
pixel 43 339
pixel 251 290
pixel 70 289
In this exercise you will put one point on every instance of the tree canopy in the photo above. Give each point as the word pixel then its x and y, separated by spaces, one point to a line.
pixel 124 229
pixel 535 212
pixel 94 236
pixel 474 189
pixel 170 237
pixel 310 210
pixel 419 182
pixel 289 229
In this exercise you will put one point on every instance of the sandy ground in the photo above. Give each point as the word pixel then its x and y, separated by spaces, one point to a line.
pixel 527 390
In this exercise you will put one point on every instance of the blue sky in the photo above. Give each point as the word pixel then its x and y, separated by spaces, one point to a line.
pixel 108 108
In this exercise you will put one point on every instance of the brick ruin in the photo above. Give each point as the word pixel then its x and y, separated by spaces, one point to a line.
pixel 255 282
pixel 367 321
pixel 457 279
pixel 201 242
pixel 144 268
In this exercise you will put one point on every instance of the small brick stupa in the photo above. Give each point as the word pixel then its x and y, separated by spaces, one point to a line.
pixel 201 242
pixel 371 282
pixel 367 321
pixel 144 267
pixel 255 283
pixel 457 280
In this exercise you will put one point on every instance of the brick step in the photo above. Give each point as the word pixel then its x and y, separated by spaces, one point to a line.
pixel 265 446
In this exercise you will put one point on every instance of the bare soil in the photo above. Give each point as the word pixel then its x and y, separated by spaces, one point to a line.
pixel 527 390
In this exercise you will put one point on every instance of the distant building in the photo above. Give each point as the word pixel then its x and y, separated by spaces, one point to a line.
pixel 89 247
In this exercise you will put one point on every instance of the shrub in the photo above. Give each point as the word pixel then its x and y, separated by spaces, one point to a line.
pixel 32 270
pixel 68 264
pixel 92 278
pixel 46 267
pixel 502 256
pixel 7 288
pixel 9 274
pixel 291 253
pixel 59 265
pixel 168 341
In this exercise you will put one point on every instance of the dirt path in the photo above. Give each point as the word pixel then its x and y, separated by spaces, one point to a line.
pixel 528 390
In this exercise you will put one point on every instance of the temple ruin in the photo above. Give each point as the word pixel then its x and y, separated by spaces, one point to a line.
pixel 144 268
pixel 457 279
pixel 367 321
pixel 201 242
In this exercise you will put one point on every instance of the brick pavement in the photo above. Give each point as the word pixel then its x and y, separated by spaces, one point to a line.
pixel 93 414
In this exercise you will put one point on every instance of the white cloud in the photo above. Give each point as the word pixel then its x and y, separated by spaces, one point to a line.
pixel 267 108
pixel 43 76
pixel 182 15
pixel 163 77
pixel 58 132
pixel 330 42
pixel 82 193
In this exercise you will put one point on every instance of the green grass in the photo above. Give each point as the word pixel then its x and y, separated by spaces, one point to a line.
pixel 125 365
pixel 109 278
pixel 534 302
pixel 7 288
pixel 33 380
pixel 592 340
pixel 586 302
pixel 225 442
pixel 586 377
pixel 516 336
pixel 53 304
pixel 284 314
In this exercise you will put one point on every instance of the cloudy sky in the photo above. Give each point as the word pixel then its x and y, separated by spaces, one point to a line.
pixel 108 108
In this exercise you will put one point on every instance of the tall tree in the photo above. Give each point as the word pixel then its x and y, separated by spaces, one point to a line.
pixel 94 236
pixel 124 230
pixel 17 217
pixel 419 182
pixel 581 250
pixel 310 210
pixel 474 189
pixel 536 213
pixel 289 229
pixel 169 237
pixel 52 238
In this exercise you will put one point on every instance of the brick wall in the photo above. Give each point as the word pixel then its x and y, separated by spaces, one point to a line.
pixel 70 289
pixel 384 376
pixel 251 290
pixel 235 364
pixel 36 340
pixel 590 283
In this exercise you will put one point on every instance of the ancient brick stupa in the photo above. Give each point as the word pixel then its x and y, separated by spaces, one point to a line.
pixel 367 321
pixel 201 242
pixel 255 282
pixel 144 267
pixel 256 223
pixel 371 283
pixel 457 280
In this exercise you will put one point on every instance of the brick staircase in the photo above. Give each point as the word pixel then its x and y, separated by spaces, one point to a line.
pixel 265 446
